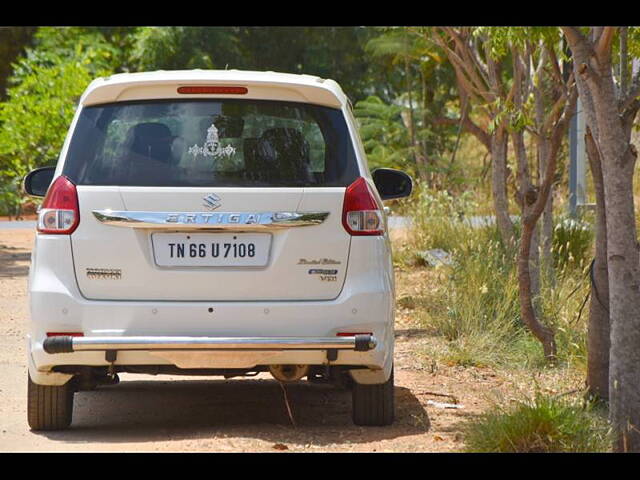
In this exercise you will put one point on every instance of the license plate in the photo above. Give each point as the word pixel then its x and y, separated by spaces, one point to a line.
pixel 211 249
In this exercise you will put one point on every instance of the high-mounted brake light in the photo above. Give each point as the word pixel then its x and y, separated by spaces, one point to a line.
pixel 65 334
pixel 59 213
pixel 204 89
pixel 361 214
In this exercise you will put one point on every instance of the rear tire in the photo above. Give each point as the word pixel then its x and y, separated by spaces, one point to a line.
pixel 49 407
pixel 373 405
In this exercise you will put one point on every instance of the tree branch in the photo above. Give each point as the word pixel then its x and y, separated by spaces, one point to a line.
pixel 555 65
pixel 469 126
pixel 603 46
pixel 581 47
pixel 632 93
pixel 462 73
pixel 556 141
pixel 624 62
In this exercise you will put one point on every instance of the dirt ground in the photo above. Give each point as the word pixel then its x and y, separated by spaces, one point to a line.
pixel 147 413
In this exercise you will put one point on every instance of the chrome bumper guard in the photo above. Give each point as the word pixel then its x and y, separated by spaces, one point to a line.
pixel 68 344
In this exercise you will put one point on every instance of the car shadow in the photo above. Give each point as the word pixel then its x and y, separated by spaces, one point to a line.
pixel 14 262
pixel 158 410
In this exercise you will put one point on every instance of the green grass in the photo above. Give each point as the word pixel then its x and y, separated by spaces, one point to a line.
pixel 477 309
pixel 539 425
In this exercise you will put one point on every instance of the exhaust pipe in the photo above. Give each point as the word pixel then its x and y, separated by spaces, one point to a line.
pixel 288 373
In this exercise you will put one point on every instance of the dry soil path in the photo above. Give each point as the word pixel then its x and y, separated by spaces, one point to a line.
pixel 147 413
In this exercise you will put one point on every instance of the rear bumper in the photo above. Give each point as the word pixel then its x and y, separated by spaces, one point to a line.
pixel 68 344
pixel 364 305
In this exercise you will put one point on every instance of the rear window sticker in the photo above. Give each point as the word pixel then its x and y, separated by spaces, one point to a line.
pixel 212 147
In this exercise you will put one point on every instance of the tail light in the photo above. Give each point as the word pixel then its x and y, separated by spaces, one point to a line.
pixel 65 334
pixel 59 213
pixel 204 89
pixel 361 213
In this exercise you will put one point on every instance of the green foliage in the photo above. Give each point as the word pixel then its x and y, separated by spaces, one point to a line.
pixel 499 40
pixel 384 137
pixel 176 48
pixel 543 424
pixel 329 52
pixel 46 86
pixel 13 41
pixel 633 43
pixel 35 120
pixel 407 127
pixel 54 46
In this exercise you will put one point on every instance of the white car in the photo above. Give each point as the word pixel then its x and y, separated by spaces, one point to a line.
pixel 212 223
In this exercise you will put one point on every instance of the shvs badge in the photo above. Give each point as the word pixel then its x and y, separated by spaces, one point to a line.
pixel 325 275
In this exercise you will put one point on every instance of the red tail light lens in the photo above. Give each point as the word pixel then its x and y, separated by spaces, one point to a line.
pixel 59 213
pixel 227 90
pixel 361 214
pixel 65 334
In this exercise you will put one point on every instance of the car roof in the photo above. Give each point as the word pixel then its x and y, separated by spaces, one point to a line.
pixel 162 84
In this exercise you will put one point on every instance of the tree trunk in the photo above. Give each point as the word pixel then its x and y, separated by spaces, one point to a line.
pixel 523 182
pixel 546 241
pixel 543 333
pixel 624 296
pixel 593 69
pixel 546 234
pixel 598 341
pixel 499 187
pixel 618 161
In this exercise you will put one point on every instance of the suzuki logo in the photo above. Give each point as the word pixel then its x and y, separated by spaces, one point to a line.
pixel 212 201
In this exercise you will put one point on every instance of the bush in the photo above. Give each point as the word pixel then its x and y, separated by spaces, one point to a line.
pixel 45 88
pixel 543 424
pixel 439 218
pixel 572 243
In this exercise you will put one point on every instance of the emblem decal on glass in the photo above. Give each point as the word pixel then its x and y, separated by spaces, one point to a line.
pixel 212 147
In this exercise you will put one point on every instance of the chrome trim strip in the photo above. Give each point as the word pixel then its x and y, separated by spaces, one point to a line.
pixel 217 343
pixel 210 220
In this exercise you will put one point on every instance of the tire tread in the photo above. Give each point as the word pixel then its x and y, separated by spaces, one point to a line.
pixel 49 407
pixel 373 405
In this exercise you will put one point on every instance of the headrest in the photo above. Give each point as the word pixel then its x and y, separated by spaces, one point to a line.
pixel 152 140
pixel 282 146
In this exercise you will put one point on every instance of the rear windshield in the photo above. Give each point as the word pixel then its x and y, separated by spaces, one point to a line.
pixel 249 143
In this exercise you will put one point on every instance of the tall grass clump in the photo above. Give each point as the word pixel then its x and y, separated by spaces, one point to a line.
pixel 481 321
pixel 481 318
pixel 565 308
pixel 439 218
pixel 572 242
pixel 543 424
